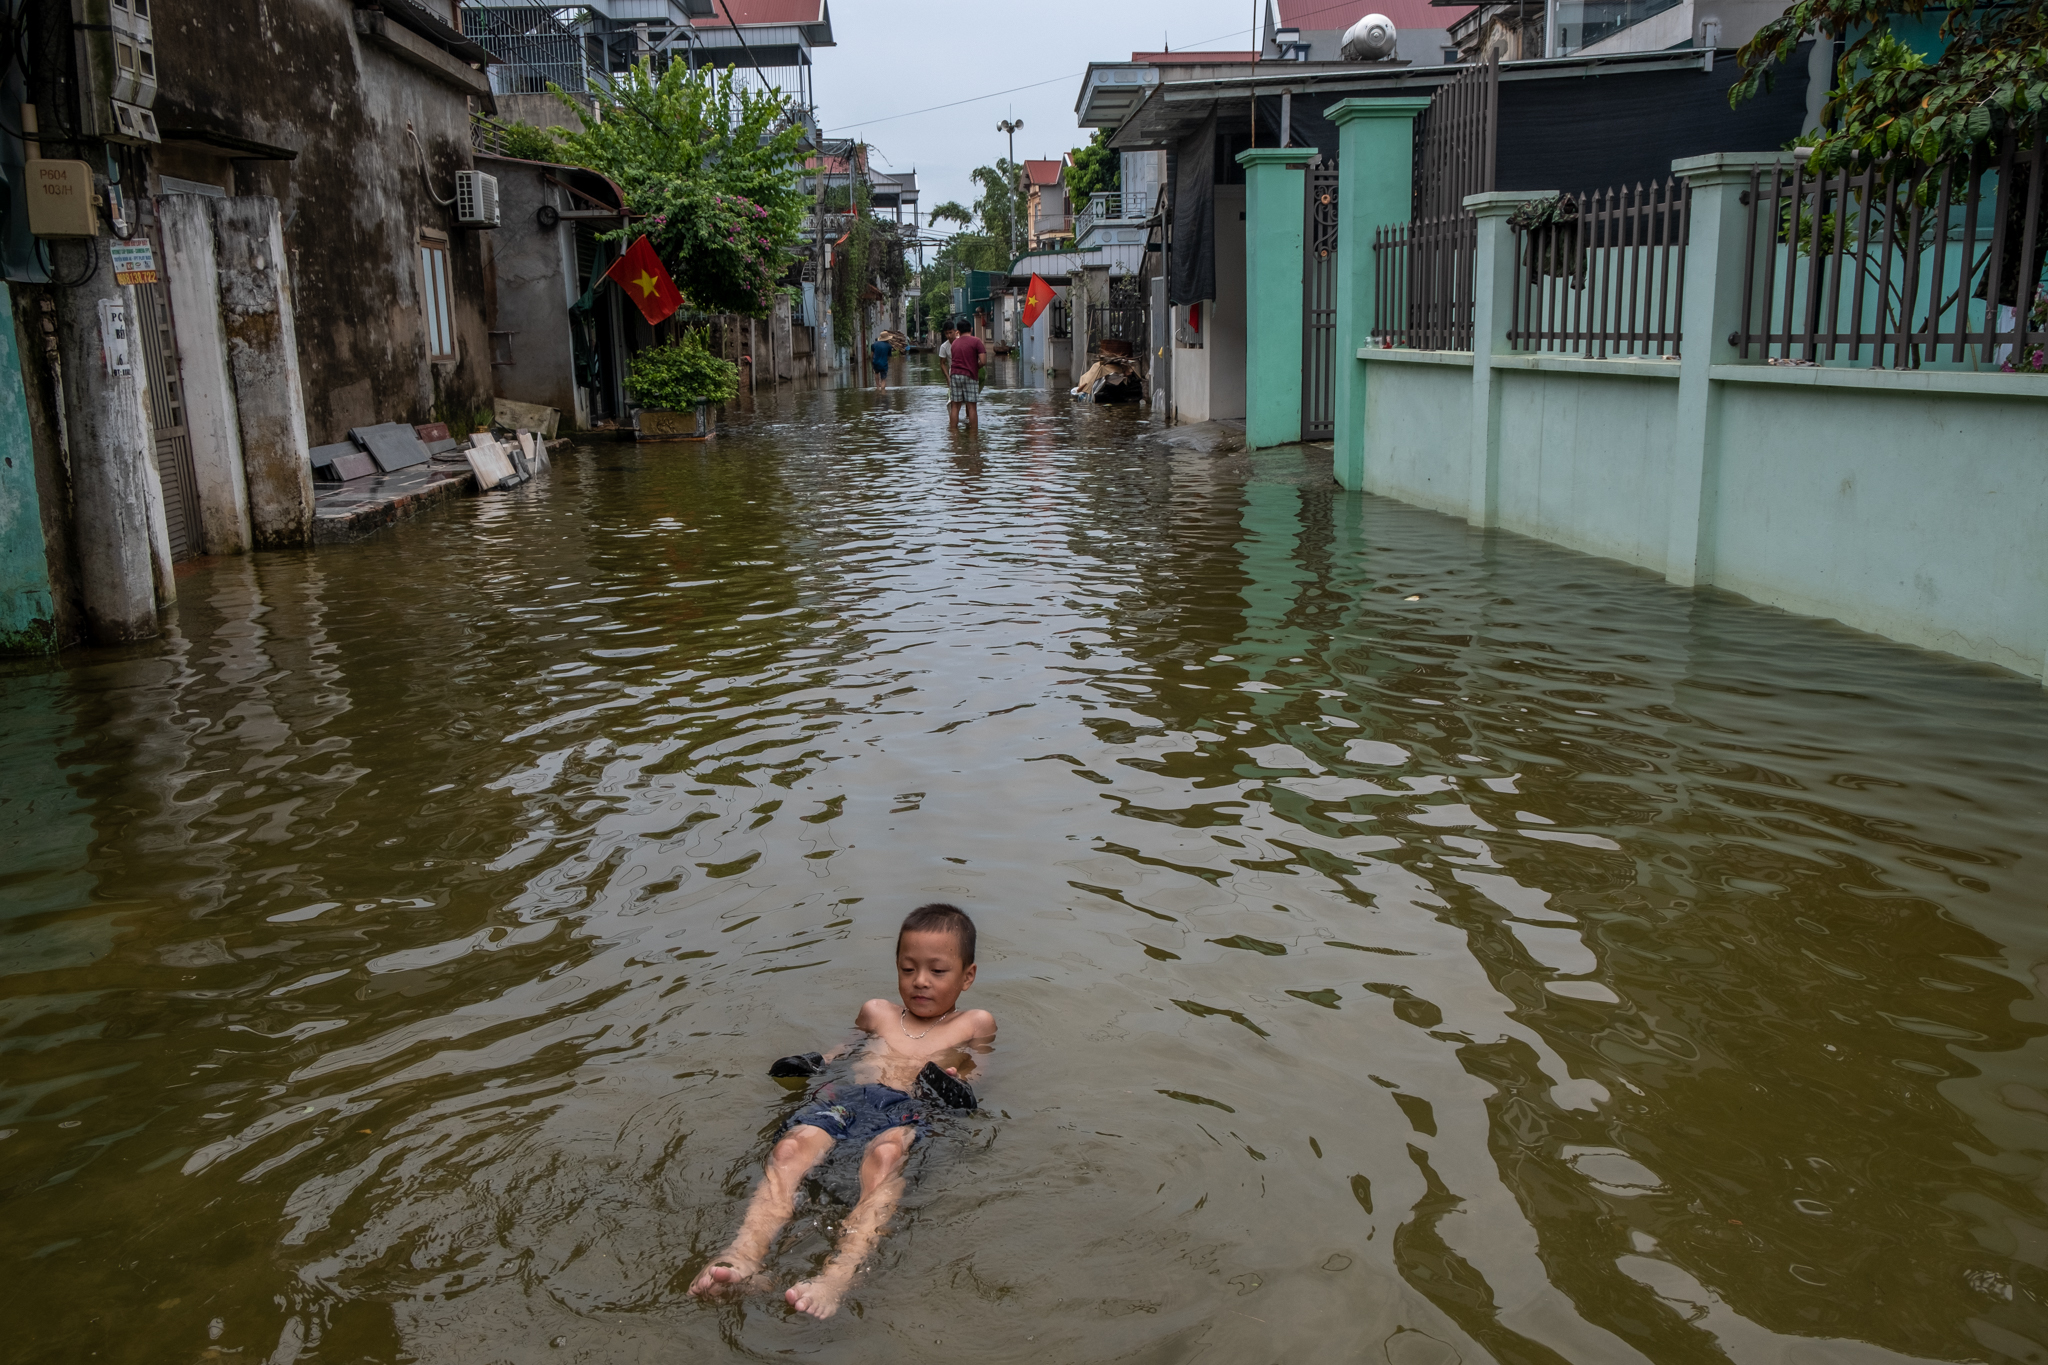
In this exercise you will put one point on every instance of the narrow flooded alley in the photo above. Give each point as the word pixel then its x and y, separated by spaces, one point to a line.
pixel 1411 944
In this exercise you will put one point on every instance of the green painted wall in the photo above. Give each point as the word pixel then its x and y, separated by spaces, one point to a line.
pixel 26 610
pixel 1275 210
pixel 1375 186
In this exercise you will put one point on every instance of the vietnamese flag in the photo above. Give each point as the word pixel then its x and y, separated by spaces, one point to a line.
pixel 1036 299
pixel 640 274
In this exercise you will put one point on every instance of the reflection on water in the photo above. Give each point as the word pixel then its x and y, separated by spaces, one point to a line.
pixel 1410 944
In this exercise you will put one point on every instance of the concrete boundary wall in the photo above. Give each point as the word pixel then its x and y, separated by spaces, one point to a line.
pixel 1917 512
pixel 1913 505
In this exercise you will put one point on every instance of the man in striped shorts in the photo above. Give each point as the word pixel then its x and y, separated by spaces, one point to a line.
pixel 963 385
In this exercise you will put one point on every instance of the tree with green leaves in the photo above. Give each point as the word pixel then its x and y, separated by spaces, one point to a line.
pixel 1990 77
pixel 709 166
pixel 983 243
pixel 1095 168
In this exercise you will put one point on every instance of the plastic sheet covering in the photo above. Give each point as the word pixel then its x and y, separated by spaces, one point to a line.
pixel 1192 276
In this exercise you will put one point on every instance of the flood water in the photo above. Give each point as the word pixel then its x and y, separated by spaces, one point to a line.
pixel 1409 945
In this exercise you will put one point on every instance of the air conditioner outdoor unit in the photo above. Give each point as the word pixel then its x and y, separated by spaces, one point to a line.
pixel 476 199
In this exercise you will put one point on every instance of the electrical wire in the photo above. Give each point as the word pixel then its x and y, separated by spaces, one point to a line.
pixel 976 99
pixel 425 177
pixel 50 265
pixel 734 25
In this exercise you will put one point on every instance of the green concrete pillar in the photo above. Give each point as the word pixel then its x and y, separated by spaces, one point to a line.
pixel 26 611
pixel 1375 187
pixel 1275 205
pixel 1493 307
pixel 1714 258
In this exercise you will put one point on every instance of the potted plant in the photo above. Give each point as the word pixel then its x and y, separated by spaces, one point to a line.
pixel 676 383
pixel 1550 235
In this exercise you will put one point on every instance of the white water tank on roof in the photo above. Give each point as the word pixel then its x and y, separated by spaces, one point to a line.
pixel 1371 39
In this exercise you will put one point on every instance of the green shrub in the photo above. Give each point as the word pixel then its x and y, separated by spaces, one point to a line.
pixel 681 374
pixel 524 142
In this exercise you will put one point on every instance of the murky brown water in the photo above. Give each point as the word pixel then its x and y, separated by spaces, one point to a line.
pixel 1409 945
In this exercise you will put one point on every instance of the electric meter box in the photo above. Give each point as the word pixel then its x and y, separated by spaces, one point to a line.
pixel 117 69
pixel 60 199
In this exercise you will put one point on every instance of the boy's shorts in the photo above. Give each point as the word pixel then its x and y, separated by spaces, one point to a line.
pixel 965 388
pixel 859 1113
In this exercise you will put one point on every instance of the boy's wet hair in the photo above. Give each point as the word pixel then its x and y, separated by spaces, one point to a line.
pixel 940 918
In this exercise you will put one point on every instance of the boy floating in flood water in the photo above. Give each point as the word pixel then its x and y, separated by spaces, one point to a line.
pixel 925 1038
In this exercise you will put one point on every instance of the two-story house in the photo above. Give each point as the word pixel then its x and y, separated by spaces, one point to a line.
pixel 1047 217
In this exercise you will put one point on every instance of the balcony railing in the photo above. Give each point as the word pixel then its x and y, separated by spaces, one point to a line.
pixel 1113 207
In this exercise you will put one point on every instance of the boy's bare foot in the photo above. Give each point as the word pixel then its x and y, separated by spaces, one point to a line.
pixel 725 1272
pixel 820 1297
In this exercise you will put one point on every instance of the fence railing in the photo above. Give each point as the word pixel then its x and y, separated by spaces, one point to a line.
pixel 1895 265
pixel 1062 320
pixel 1422 283
pixel 487 135
pixel 1113 206
pixel 1606 275
pixel 1120 321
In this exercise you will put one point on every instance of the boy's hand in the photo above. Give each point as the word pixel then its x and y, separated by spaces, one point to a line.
pixel 947 1086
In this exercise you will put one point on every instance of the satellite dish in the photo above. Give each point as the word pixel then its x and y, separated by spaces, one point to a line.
pixel 1371 39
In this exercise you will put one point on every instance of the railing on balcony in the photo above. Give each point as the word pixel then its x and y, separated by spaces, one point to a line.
pixel 1114 207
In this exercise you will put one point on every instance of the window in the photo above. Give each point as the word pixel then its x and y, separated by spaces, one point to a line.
pixel 435 301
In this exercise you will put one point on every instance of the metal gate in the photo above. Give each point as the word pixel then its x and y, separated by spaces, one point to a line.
pixel 167 418
pixel 1124 317
pixel 1319 305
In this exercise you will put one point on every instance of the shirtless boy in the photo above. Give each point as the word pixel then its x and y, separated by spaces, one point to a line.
pixel 877 1108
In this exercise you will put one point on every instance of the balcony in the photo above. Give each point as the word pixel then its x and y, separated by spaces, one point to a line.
pixel 1112 209
pixel 1111 90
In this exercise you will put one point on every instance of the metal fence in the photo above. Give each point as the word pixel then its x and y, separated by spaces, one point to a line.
pixel 1422 283
pixel 1062 320
pixel 1119 322
pixel 1900 265
pixel 537 46
pixel 1606 276
pixel 1422 269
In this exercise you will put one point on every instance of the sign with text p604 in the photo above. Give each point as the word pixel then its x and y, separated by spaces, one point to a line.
pixel 60 199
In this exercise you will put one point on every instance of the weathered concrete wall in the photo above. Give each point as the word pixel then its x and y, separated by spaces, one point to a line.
pixel 263 359
pixel 354 202
pixel 534 281
pixel 192 278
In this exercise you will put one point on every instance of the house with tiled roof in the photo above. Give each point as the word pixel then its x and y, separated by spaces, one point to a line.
pixel 1048 218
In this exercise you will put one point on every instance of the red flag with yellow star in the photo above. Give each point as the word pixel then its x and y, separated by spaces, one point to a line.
pixel 1036 299
pixel 640 274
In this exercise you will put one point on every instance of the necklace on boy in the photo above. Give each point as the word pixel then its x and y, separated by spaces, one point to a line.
pixel 903 1021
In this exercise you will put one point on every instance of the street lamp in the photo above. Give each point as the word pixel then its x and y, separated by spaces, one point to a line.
pixel 1010 126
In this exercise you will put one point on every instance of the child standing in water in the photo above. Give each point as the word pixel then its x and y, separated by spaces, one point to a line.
pixel 925 1033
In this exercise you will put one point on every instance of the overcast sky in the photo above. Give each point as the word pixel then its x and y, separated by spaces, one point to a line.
pixel 896 56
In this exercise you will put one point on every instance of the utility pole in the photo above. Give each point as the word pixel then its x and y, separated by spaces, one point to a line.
pixel 119 529
pixel 1011 126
